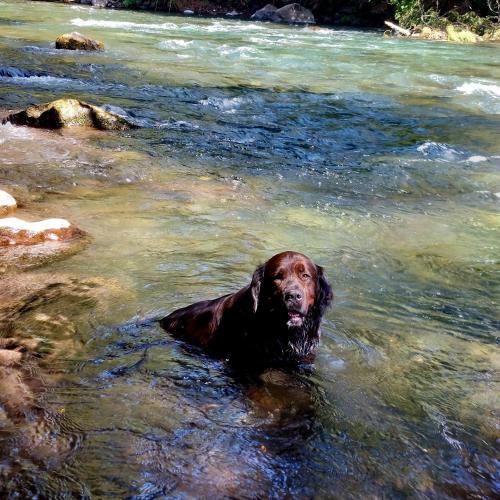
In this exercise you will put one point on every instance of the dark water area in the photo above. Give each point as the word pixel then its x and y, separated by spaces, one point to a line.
pixel 376 157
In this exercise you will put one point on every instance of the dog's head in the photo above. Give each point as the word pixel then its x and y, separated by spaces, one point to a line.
pixel 291 288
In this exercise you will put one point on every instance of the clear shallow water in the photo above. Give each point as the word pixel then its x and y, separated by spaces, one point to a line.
pixel 378 158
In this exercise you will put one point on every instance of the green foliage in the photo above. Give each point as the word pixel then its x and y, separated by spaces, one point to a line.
pixel 439 14
pixel 408 12
pixel 129 3
pixel 472 21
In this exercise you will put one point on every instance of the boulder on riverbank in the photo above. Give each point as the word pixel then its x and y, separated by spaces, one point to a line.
pixel 77 41
pixel 69 113
pixel 265 14
pixel 292 13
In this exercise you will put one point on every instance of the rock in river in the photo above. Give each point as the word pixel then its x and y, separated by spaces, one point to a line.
pixel 77 41
pixel 292 13
pixel 14 231
pixel 7 203
pixel 69 113
pixel 265 14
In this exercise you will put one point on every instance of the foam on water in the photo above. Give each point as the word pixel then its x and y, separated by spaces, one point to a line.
pixel 224 104
pixel 175 44
pixel 125 25
pixel 245 52
pixel 479 88
pixel 438 150
pixel 152 28
pixel 10 132
pixel 41 80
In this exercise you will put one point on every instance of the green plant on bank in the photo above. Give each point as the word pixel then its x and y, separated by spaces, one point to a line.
pixel 413 13
pixel 129 3
pixel 472 21
pixel 408 13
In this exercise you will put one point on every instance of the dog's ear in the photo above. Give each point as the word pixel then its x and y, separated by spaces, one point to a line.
pixel 257 278
pixel 324 291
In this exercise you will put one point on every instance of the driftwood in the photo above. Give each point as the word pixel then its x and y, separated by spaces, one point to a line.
pixel 398 29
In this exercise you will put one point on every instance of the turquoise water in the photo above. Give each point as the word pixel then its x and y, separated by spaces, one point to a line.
pixel 376 157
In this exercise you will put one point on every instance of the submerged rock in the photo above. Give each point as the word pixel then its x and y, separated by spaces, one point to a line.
pixel 12 72
pixel 77 41
pixel 69 113
pixel 43 319
pixel 25 245
pixel 8 204
pixel 292 13
pixel 14 231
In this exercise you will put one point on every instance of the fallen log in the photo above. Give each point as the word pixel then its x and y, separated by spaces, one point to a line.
pixel 398 29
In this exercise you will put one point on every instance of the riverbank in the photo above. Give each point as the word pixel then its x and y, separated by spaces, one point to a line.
pixel 360 13
pixel 452 26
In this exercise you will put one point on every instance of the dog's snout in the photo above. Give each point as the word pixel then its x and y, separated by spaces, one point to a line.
pixel 293 295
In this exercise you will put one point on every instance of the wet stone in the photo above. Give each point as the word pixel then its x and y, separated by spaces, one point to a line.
pixel 69 113
pixel 77 41
pixel 14 231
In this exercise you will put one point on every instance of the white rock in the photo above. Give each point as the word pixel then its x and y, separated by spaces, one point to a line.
pixel 7 203
pixel 188 12
pixel 14 231
pixel 15 224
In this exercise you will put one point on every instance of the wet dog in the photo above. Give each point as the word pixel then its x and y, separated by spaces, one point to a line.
pixel 273 321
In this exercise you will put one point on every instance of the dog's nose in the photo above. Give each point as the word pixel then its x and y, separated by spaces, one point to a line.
pixel 293 295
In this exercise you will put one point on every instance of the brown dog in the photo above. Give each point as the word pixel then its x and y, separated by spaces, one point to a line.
pixel 274 320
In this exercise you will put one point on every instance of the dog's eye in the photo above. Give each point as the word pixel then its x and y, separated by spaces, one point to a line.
pixel 306 276
pixel 278 277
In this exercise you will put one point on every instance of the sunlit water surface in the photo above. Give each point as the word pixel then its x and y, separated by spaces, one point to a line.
pixel 376 157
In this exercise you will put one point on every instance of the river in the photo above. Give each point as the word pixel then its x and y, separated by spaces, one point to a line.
pixel 379 158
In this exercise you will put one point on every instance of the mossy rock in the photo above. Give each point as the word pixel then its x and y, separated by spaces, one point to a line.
pixel 428 33
pixel 69 113
pixel 492 36
pixel 77 41
pixel 463 36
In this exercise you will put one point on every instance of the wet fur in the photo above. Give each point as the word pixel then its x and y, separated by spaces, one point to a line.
pixel 248 326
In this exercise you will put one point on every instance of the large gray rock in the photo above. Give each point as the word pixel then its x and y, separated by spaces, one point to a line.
pixel 293 13
pixel 265 14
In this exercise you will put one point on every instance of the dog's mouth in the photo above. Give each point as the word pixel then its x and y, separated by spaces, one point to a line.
pixel 295 318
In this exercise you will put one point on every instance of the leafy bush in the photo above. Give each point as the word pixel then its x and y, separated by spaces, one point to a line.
pixel 472 14
pixel 408 12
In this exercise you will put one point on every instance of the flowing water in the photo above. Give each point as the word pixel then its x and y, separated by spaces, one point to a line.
pixel 376 157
